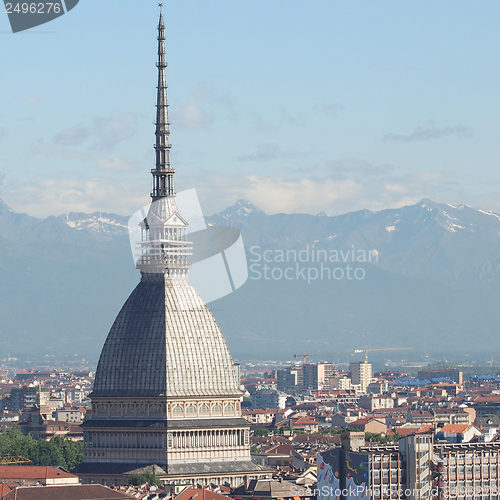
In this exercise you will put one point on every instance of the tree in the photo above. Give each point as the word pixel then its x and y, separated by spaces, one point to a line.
pixel 145 477
pixel 56 452
pixel 338 430
pixel 379 438
pixel 260 432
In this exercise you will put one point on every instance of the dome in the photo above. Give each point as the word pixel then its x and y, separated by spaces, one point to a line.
pixel 165 342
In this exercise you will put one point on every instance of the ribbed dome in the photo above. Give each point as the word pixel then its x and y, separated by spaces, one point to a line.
pixel 165 342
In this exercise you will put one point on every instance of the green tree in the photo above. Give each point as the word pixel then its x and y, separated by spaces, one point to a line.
pixel 379 438
pixel 56 452
pixel 259 432
pixel 145 477
pixel 73 453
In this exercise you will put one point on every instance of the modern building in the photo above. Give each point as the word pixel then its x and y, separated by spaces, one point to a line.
pixel 268 398
pixel 319 375
pixel 378 387
pixel 487 406
pixel 361 374
pixel 166 392
pixel 342 383
pixel 20 398
pixel 290 379
pixel 305 377
pixel 416 468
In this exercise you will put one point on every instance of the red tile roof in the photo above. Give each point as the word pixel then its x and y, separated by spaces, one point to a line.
pixel 486 398
pixel 303 421
pixel 364 421
pixel 200 494
pixel 4 489
pixel 421 413
pixel 456 428
pixel 280 449
pixel 32 472
pixel 74 492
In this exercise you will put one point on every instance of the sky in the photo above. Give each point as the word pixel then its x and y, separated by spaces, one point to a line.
pixel 296 106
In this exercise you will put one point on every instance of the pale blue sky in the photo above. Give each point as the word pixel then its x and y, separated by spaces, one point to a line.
pixel 294 105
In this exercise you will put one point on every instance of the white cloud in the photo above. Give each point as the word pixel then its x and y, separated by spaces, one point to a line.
pixel 338 187
pixel 304 195
pixel 101 133
pixel 59 196
pixel 33 99
pixel 332 190
pixel 272 151
pixel 111 130
pixel 73 136
pixel 395 188
pixel 115 163
pixel 332 108
pixel 431 176
pixel 431 131
pixel 264 152
pixel 191 115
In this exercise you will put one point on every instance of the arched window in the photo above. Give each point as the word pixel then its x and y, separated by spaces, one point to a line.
pixel 229 409
pixel 216 409
pixel 115 409
pixel 191 410
pixel 204 409
pixel 177 411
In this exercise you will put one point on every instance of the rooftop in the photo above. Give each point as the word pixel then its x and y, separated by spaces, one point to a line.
pixel 32 472
pixel 74 492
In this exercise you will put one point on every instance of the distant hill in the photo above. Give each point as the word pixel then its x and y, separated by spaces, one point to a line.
pixel 432 282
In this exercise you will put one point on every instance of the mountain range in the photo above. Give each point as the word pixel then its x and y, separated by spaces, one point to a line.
pixel 428 278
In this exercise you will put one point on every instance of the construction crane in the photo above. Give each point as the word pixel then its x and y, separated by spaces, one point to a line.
pixel 305 355
pixel 8 460
pixel 366 350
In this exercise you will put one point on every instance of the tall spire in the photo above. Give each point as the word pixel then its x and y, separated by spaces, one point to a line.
pixel 163 174
pixel 164 246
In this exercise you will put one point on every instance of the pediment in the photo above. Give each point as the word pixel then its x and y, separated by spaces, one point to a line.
pixel 173 220
pixel 176 220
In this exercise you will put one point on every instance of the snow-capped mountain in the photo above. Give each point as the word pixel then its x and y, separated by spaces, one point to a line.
pixel 435 283
pixel 97 222
pixel 427 240
pixel 238 210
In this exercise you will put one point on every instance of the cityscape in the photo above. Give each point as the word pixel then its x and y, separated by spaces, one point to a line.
pixel 252 354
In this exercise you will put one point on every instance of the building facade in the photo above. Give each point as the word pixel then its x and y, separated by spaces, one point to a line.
pixel 166 392
pixel 419 468
pixel 361 374
pixel 290 379
pixel 268 398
